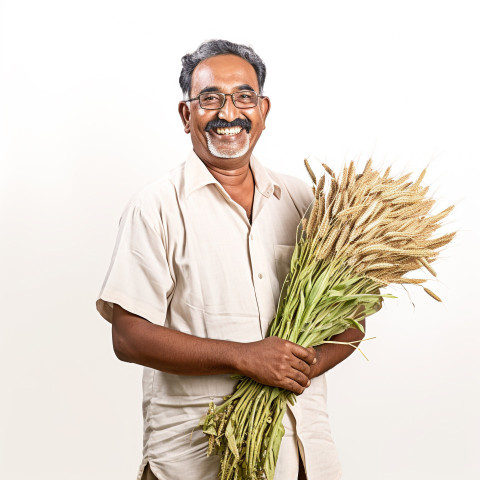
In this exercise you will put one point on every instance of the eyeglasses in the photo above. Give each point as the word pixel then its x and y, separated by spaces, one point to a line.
pixel 216 100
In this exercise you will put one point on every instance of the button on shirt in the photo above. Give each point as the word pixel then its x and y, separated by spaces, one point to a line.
pixel 187 257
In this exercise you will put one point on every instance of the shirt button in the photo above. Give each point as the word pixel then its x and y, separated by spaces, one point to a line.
pixel 260 275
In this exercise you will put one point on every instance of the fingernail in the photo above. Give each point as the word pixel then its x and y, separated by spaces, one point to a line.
pixel 314 360
pixel 308 384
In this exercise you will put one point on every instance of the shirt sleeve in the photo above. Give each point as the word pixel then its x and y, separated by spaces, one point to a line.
pixel 139 278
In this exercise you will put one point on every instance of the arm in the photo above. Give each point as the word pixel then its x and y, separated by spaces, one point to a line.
pixel 330 354
pixel 271 361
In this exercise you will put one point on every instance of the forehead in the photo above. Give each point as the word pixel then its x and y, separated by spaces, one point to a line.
pixel 224 72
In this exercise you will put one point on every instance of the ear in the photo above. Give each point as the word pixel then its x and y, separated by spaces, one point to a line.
pixel 264 108
pixel 184 112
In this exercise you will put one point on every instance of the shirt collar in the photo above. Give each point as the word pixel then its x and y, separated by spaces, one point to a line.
pixel 197 175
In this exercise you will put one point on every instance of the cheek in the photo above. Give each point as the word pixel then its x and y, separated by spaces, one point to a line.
pixel 200 119
pixel 257 120
pixel 257 124
pixel 202 114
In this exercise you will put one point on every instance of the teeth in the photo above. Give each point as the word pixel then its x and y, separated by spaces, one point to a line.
pixel 229 131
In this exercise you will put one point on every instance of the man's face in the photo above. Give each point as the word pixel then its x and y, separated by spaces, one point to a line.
pixel 212 140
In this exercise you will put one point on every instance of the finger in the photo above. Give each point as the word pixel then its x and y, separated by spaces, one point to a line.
pixel 313 352
pixel 299 377
pixel 306 354
pixel 302 366
pixel 293 386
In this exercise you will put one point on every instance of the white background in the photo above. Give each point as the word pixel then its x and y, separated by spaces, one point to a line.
pixel 88 116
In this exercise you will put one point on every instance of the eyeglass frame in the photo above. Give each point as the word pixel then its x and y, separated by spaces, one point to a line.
pixel 225 99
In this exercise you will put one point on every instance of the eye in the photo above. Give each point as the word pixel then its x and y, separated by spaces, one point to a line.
pixel 246 98
pixel 210 98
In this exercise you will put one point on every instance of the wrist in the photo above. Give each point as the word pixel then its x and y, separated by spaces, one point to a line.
pixel 237 358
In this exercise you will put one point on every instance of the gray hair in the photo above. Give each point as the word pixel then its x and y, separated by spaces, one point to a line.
pixel 212 48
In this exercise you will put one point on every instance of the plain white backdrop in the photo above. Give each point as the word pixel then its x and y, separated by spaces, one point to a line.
pixel 89 94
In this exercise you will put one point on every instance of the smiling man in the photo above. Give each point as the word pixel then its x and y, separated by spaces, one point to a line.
pixel 196 274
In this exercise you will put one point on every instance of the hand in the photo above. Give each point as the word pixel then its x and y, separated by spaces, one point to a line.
pixel 278 363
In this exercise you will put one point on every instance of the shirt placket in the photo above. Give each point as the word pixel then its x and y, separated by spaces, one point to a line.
pixel 260 276
pixel 262 282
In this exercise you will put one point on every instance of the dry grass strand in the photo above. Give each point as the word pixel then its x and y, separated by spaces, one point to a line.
pixel 310 171
pixel 433 295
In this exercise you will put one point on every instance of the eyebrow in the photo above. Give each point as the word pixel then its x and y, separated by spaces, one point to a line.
pixel 216 89
pixel 245 87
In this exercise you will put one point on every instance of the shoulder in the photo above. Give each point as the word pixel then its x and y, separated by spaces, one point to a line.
pixel 156 198
pixel 298 191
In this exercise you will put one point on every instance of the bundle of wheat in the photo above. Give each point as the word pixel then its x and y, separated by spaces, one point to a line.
pixel 363 232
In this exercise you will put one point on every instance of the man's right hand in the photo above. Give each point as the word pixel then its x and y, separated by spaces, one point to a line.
pixel 278 363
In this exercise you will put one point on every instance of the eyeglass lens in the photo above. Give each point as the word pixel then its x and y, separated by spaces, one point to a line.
pixel 214 100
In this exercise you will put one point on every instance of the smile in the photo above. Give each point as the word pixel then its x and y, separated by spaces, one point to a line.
pixel 228 131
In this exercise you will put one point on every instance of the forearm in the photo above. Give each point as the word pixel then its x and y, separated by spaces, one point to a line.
pixel 171 351
pixel 331 354
pixel 271 361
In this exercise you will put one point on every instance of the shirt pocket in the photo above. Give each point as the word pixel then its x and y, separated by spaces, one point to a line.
pixel 194 390
pixel 234 327
pixel 283 257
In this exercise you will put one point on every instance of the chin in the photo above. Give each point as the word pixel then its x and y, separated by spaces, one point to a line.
pixel 227 152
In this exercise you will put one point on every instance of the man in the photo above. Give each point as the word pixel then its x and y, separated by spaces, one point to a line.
pixel 196 275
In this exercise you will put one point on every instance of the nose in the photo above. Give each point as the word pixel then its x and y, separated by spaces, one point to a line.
pixel 229 112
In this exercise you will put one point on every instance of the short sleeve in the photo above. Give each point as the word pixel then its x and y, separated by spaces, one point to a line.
pixel 139 278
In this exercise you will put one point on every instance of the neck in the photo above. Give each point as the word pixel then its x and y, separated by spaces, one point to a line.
pixel 235 178
pixel 238 182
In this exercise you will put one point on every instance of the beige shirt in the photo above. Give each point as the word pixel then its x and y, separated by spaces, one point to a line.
pixel 186 257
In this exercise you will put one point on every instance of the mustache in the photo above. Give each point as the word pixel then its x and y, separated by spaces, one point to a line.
pixel 238 122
